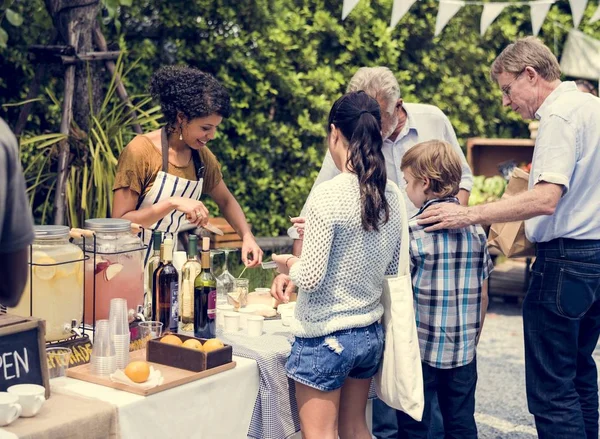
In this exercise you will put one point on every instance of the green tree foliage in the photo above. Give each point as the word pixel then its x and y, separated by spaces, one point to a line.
pixel 285 62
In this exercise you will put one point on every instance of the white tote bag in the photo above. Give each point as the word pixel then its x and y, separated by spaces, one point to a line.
pixel 399 381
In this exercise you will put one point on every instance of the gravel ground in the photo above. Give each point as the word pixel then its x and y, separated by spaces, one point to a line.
pixel 501 406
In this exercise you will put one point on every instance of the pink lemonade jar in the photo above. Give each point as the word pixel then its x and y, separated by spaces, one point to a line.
pixel 116 267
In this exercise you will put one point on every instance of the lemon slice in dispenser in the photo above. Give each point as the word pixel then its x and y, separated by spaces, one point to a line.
pixel 112 271
pixel 46 271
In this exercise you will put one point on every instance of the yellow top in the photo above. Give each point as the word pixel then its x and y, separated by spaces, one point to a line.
pixel 141 161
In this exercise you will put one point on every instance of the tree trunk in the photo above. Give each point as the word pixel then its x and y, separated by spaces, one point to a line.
pixel 78 18
pixel 75 20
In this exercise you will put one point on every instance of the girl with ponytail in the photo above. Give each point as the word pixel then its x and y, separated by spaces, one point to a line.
pixel 351 241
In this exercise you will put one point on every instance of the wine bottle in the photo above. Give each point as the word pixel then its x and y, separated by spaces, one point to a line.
pixel 151 266
pixel 167 291
pixel 190 270
pixel 205 297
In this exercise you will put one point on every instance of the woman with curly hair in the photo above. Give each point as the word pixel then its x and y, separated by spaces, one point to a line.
pixel 162 174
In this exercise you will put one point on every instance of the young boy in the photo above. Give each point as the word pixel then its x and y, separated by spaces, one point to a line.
pixel 449 272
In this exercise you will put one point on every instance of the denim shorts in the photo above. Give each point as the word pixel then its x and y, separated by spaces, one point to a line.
pixel 325 362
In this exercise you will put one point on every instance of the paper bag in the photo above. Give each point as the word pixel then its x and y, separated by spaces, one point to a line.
pixel 509 238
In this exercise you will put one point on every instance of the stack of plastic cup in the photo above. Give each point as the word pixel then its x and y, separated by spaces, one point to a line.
pixel 119 325
pixel 103 360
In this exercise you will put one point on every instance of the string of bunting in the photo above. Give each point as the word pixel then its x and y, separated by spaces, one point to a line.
pixel 491 11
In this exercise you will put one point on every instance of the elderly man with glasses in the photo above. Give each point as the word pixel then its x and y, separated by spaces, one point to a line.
pixel 561 312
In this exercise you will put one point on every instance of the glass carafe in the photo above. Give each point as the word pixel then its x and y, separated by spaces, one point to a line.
pixel 56 284
pixel 226 279
pixel 117 267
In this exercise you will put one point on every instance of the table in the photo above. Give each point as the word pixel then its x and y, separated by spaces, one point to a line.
pixel 67 416
pixel 219 406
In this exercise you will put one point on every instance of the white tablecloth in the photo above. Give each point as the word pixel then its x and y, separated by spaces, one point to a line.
pixel 219 406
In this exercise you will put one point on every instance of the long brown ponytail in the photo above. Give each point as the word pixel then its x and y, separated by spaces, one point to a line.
pixel 358 117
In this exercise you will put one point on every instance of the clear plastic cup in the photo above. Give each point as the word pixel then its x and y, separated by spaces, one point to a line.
pixel 119 317
pixel 58 361
pixel 149 330
pixel 240 288
pixel 119 324
pixel 104 359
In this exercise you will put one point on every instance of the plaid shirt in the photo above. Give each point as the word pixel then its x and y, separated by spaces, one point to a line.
pixel 448 268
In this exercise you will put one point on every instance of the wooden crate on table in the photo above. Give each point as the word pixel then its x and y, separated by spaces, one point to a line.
pixel 230 238
pixel 484 155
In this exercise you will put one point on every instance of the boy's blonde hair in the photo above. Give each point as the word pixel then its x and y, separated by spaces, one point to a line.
pixel 437 161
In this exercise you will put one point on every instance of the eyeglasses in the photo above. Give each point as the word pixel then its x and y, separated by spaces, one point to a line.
pixel 506 88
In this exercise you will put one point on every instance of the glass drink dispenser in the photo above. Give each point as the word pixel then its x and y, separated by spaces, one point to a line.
pixel 117 267
pixel 55 283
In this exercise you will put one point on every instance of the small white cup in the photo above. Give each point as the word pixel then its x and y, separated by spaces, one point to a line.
pixel 255 325
pixel 31 398
pixel 221 310
pixel 231 322
pixel 283 306
pixel 10 409
pixel 244 313
pixel 286 316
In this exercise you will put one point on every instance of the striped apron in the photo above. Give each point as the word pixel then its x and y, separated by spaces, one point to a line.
pixel 167 186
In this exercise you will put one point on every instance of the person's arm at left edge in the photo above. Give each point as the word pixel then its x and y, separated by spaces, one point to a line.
pixel 16 227
pixel 234 215
pixel 466 182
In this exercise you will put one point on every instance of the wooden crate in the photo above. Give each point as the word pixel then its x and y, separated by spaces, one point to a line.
pixel 185 358
pixel 23 352
pixel 230 238
pixel 484 155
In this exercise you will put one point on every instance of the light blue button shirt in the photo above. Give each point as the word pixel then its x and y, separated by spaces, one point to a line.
pixel 424 122
pixel 567 153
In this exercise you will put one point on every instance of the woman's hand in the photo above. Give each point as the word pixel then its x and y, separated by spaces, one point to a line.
pixel 284 262
pixel 195 211
pixel 250 247
pixel 282 288
pixel 299 223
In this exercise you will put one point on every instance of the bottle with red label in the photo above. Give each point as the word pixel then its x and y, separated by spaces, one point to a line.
pixel 205 297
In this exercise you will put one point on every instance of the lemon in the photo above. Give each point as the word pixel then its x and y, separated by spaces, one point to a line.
pixel 138 371
pixel 45 271
pixel 192 343
pixel 171 339
pixel 212 344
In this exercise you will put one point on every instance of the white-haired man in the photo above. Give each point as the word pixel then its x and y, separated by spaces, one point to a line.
pixel 403 126
pixel 561 311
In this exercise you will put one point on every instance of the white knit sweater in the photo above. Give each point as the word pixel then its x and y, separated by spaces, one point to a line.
pixel 341 271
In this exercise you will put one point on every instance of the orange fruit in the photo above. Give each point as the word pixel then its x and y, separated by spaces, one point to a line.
pixel 171 339
pixel 138 371
pixel 212 344
pixel 192 343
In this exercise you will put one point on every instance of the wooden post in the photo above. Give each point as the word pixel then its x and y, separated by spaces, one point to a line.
pixel 60 196
pixel 34 89
pixel 110 65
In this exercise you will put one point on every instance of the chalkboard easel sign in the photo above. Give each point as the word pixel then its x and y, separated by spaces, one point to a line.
pixel 23 352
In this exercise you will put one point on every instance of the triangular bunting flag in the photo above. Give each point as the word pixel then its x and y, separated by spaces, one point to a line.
pixel 400 8
pixel 490 13
pixel 577 10
pixel 596 16
pixel 539 10
pixel 348 6
pixel 447 10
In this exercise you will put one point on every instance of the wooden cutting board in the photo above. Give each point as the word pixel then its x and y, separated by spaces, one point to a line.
pixel 173 376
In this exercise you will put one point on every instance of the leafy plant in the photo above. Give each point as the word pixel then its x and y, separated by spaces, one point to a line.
pixel 13 17
pixel 93 158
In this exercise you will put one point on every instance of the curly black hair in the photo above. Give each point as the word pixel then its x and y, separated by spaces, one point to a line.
pixel 189 91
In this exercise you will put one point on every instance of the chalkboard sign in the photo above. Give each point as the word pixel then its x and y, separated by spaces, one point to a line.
pixel 22 352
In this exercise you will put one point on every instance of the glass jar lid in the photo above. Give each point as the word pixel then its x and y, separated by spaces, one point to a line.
pixel 51 232
pixel 108 225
